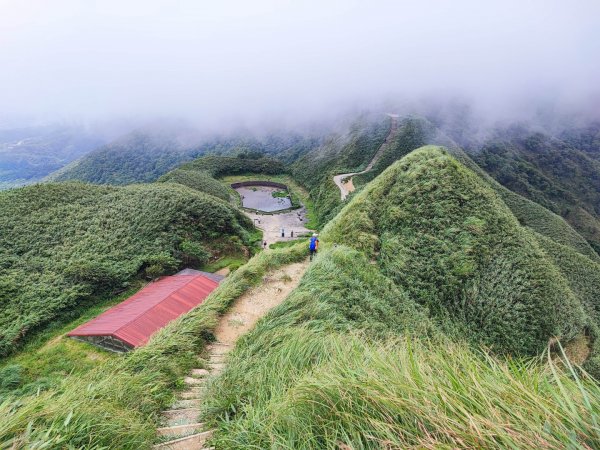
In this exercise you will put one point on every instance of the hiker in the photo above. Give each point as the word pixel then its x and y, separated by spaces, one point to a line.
pixel 313 246
pixel 265 245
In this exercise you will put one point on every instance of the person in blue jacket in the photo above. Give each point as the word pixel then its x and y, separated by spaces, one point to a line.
pixel 313 246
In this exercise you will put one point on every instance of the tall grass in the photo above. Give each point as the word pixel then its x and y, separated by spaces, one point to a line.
pixel 117 405
pixel 324 390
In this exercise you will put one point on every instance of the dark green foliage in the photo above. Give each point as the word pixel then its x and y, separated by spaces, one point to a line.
pixel 61 244
pixel 219 166
pixel 338 154
pixel 549 171
pixel 197 179
pixel 138 157
pixel 446 239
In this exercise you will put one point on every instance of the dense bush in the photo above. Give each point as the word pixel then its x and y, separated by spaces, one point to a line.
pixel 197 179
pixel 218 166
pixel 551 172
pixel 63 243
pixel 117 404
pixel 448 240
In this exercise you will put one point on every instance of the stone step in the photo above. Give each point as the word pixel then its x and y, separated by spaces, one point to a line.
pixel 217 367
pixel 199 373
pixel 193 393
pixel 193 442
pixel 182 416
pixel 217 358
pixel 190 381
pixel 187 403
pixel 178 430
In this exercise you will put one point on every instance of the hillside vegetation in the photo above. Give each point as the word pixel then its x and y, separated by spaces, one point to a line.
pixel 551 172
pixel 63 244
pixel 199 180
pixel 145 155
pixel 449 241
pixel 370 350
pixel 339 153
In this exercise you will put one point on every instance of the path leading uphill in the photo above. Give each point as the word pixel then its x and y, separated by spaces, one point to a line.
pixel 344 180
pixel 182 430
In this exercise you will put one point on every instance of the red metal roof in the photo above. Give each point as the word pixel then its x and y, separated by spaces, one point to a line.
pixel 136 319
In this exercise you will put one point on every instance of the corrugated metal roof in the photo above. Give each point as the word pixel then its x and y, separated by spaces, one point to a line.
pixel 136 319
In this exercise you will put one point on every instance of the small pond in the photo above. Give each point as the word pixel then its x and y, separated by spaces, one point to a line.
pixel 262 199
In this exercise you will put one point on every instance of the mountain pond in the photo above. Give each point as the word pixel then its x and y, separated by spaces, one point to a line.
pixel 261 198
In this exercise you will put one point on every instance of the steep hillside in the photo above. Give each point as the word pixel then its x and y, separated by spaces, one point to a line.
pixel 340 153
pixel 369 350
pixel 200 180
pixel 145 155
pixel 449 241
pixel 551 172
pixel 62 244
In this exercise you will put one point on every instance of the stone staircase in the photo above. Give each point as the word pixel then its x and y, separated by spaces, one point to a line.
pixel 181 430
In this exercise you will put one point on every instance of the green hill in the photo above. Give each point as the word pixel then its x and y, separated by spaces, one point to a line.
pixel 64 244
pixel 145 155
pixel 199 180
pixel 369 350
pixel 551 172
pixel 448 240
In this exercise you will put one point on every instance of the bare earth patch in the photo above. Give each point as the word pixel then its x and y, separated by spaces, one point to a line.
pixel 254 304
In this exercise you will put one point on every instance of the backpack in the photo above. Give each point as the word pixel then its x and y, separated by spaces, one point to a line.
pixel 313 243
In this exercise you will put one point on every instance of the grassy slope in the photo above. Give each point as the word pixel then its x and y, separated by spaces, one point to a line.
pixel 442 235
pixel 554 174
pixel 61 245
pixel 339 154
pixel 197 179
pixel 326 368
pixel 117 404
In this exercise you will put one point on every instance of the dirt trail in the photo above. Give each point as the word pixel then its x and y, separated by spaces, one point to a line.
pixel 254 304
pixel 344 180
pixel 181 430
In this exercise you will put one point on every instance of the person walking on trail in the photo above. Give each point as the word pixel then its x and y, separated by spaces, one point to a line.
pixel 313 246
pixel 265 245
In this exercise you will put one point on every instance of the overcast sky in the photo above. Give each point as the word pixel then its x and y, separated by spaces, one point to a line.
pixel 260 58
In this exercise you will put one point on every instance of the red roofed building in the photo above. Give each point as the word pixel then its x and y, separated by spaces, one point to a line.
pixel 130 324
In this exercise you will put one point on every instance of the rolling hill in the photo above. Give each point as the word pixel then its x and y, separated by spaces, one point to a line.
pixel 64 244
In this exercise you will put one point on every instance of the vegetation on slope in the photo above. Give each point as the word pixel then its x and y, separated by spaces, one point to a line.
pixel 219 166
pixel 338 154
pixel 197 179
pixel 328 369
pixel 549 171
pixel 61 245
pixel 145 155
pixel 117 405
pixel 443 236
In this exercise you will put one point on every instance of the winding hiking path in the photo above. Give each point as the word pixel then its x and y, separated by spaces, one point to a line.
pixel 182 429
pixel 344 180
